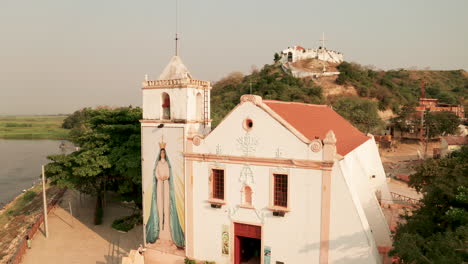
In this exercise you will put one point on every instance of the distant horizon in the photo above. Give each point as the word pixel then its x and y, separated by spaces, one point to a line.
pixel 113 106
pixel 60 56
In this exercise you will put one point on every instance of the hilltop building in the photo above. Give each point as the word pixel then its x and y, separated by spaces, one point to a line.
pixel 297 53
pixel 426 105
pixel 274 182
pixel 433 105
pixel 318 62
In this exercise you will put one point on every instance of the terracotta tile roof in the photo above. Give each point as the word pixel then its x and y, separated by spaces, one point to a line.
pixel 299 48
pixel 454 140
pixel 314 121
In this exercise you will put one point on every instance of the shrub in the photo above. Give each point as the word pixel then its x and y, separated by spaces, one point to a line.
pixel 28 196
pixel 127 223
pixel 189 261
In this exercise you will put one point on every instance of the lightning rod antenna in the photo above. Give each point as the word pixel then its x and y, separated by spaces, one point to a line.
pixel 177 28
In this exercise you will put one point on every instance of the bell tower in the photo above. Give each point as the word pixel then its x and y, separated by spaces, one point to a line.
pixel 175 108
pixel 177 98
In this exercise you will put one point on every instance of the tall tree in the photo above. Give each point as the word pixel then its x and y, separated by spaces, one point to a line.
pixel 437 231
pixel 441 123
pixel 109 156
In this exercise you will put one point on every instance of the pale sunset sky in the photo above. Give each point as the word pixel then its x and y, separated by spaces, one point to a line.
pixel 57 56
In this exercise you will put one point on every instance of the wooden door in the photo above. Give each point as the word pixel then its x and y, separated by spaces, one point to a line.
pixel 244 230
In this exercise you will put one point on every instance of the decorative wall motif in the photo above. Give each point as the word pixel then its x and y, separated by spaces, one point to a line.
pixel 219 151
pixel 246 175
pixel 247 144
pixel 225 240
pixel 197 140
pixel 316 145
pixel 278 153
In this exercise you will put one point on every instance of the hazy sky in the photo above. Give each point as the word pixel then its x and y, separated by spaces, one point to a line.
pixel 57 56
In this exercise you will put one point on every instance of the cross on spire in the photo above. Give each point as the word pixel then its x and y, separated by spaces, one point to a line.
pixel 323 40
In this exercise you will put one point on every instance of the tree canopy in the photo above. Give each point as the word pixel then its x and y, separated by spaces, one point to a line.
pixel 441 123
pixel 108 158
pixel 271 82
pixel 362 113
pixel 437 231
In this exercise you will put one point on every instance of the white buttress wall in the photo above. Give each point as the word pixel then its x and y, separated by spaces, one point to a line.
pixel 351 239
pixel 361 165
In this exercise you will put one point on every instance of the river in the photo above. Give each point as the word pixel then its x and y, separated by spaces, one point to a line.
pixel 20 164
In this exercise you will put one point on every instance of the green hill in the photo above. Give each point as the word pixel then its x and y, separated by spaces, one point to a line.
pixel 383 89
pixel 395 88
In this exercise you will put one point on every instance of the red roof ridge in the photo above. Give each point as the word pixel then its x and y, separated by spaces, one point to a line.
pixel 312 121
pixel 299 103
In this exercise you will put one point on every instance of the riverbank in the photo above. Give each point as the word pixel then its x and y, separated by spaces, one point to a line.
pixel 32 127
pixel 73 237
pixel 17 218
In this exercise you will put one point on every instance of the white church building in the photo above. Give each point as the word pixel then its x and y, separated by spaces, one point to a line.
pixel 296 53
pixel 275 182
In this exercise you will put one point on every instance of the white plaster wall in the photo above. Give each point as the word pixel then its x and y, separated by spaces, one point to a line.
pixel 183 103
pixel 351 241
pixel 192 103
pixel 359 165
pixel 269 134
pixel 327 55
pixel 294 238
pixel 152 103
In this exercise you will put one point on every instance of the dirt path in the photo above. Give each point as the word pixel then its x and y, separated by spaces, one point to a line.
pixel 77 240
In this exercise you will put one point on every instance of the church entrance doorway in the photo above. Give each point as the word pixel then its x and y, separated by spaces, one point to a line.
pixel 247 244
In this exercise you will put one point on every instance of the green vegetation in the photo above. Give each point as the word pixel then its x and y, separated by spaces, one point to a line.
pixel 32 127
pixel 109 158
pixel 20 204
pixel 395 88
pixel 437 232
pixel 128 222
pixel 362 113
pixel 271 82
pixel 192 261
pixel 441 123
pixel 21 214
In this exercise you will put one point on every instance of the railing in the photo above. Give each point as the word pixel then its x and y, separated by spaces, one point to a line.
pixel 21 250
pixel 402 199
pixel 176 82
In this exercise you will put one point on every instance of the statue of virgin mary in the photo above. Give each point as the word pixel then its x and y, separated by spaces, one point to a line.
pixel 163 222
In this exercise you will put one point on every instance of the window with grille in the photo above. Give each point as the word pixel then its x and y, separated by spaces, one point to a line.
pixel 280 190
pixel 218 184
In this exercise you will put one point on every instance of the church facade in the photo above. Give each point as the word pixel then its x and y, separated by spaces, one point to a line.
pixel 274 182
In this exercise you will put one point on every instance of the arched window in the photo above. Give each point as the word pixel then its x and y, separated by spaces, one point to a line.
pixel 199 107
pixel 166 106
pixel 247 196
pixel 290 57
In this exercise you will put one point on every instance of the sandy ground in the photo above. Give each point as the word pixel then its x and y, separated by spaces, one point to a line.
pixel 402 188
pixel 77 240
pixel 157 257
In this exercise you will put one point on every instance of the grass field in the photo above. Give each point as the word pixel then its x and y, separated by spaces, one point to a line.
pixel 32 127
